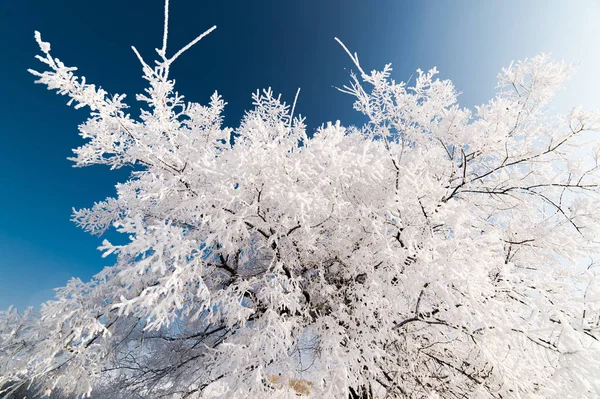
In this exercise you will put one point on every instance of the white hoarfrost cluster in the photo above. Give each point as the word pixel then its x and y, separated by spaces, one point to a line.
pixel 435 252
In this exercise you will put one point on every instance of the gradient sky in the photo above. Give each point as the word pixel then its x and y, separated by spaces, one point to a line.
pixel 257 44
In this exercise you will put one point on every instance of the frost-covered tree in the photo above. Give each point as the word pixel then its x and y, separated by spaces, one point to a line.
pixel 435 252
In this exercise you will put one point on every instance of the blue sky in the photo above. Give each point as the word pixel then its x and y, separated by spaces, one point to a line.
pixel 257 44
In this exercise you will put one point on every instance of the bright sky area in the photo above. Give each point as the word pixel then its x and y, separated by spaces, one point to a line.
pixel 257 44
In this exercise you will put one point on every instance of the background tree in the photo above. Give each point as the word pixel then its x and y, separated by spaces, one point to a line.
pixel 432 252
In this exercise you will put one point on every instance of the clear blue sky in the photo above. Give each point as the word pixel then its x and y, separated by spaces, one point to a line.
pixel 281 44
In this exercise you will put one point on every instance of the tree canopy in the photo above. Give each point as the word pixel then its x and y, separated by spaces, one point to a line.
pixel 434 252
